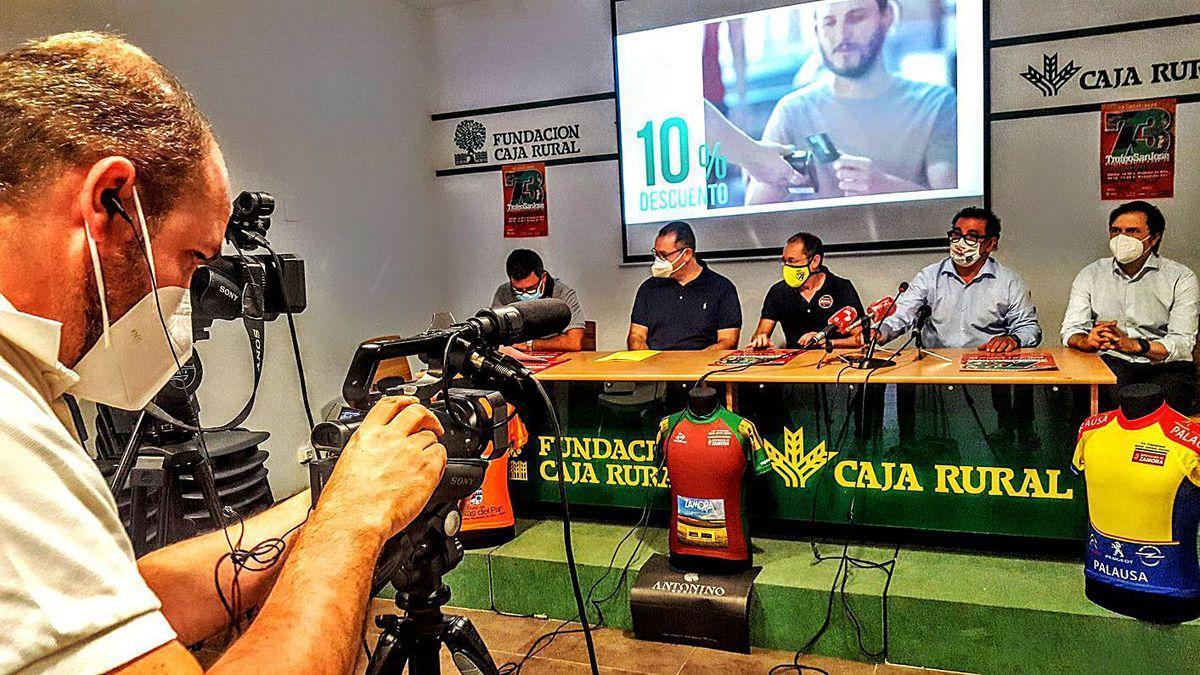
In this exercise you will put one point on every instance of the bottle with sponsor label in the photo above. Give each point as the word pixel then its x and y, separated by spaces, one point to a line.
pixel 487 514
pixel 709 454
pixel 1141 463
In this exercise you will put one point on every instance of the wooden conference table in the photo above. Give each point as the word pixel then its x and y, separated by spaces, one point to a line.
pixel 925 445
pixel 1074 368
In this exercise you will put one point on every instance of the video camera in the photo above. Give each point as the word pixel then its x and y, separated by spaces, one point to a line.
pixel 475 419
pixel 218 288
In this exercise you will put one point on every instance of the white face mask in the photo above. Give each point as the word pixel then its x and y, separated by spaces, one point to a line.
pixel 1125 248
pixel 134 358
pixel 964 253
pixel 663 268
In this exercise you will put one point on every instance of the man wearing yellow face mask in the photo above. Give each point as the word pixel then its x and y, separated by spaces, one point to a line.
pixel 805 299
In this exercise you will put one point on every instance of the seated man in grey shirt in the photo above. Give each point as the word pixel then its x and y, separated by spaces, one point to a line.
pixel 894 135
pixel 1137 308
pixel 529 280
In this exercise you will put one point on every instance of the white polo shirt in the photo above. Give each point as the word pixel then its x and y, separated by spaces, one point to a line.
pixel 71 597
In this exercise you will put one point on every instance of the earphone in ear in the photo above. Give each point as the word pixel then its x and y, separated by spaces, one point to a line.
pixel 111 202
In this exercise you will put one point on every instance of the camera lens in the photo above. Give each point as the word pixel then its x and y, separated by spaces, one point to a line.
pixel 256 204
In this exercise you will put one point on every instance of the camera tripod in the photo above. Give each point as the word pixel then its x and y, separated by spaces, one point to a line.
pixel 415 565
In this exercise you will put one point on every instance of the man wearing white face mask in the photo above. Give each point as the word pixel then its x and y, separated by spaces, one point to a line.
pixel 684 304
pixel 1137 308
pixel 112 191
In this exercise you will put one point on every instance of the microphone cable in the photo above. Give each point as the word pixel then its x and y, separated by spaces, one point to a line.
pixel 567 543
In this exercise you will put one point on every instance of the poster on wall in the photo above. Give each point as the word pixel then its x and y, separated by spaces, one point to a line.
pixel 525 200
pixel 1137 149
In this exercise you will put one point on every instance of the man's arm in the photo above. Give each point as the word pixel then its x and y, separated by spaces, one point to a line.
pixel 727 338
pixel 1181 324
pixel 1080 319
pixel 941 157
pixel 762 335
pixel 1021 318
pixel 638 334
pixel 570 341
pixel 919 293
pixel 729 319
pixel 181 575
pixel 312 619
pixel 861 176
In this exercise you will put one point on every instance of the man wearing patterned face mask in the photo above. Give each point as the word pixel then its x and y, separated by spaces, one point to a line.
pixel 112 191
pixel 975 301
pixel 1137 308
pixel 529 280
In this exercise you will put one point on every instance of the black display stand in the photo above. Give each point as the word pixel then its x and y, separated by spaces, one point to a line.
pixel 706 610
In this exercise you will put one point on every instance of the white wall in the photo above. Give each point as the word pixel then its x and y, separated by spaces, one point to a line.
pixel 324 105
pixel 1045 183
pixel 327 105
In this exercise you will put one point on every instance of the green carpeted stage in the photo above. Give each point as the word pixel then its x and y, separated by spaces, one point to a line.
pixel 972 612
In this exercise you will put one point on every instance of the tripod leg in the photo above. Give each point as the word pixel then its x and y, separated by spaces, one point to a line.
pixel 389 656
pixel 466 647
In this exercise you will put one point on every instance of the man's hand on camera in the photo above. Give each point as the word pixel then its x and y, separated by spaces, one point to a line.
pixel 391 465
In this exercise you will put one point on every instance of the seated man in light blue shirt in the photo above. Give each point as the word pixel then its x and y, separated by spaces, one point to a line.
pixel 1138 309
pixel 974 301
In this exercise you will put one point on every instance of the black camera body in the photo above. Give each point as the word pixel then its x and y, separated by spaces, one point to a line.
pixel 476 429
pixel 475 418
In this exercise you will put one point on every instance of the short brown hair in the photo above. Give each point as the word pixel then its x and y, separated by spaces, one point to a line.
pixel 72 99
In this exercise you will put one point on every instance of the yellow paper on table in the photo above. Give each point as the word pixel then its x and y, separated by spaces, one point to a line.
pixel 629 356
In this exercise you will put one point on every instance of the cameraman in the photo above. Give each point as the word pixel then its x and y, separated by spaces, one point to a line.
pixel 91 126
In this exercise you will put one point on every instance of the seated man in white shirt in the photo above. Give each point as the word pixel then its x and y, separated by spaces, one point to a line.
pixel 107 165
pixel 1137 308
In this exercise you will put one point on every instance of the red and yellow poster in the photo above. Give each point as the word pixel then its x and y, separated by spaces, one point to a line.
pixel 1137 149
pixel 525 200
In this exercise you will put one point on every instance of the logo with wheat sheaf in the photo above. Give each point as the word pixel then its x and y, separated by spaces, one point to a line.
pixel 793 464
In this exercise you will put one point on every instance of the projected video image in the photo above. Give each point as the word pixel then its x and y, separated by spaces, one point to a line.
pixel 820 104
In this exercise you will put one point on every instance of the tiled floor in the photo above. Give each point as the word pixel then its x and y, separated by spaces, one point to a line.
pixel 617 651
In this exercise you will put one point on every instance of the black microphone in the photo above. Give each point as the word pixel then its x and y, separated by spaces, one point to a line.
pixel 519 322
pixel 923 313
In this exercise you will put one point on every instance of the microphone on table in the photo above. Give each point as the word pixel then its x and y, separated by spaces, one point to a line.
pixel 840 323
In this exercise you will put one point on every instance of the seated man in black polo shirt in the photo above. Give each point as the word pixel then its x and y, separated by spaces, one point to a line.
pixel 805 298
pixel 684 305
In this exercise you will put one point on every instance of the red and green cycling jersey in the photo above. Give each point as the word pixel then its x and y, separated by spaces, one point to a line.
pixel 707 460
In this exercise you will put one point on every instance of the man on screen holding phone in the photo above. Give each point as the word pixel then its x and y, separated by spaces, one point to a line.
pixel 888 134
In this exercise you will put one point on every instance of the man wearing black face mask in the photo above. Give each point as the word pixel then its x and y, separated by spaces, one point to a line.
pixel 1137 308
pixel 95 305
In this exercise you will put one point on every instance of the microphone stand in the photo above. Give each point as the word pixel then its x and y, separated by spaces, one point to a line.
pixel 828 350
pixel 868 360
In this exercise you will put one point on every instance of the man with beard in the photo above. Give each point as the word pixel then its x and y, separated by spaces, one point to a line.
pixel 112 191
pixel 894 135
